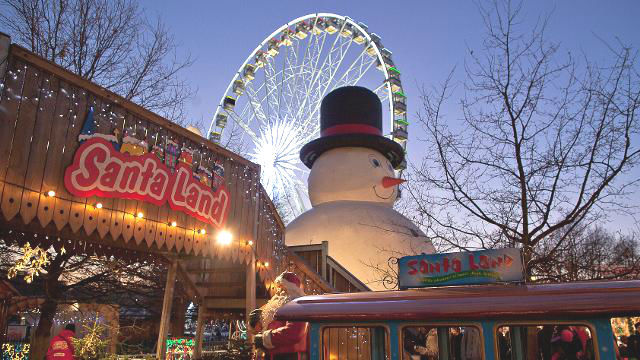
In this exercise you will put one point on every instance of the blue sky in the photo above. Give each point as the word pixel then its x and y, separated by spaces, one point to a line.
pixel 428 38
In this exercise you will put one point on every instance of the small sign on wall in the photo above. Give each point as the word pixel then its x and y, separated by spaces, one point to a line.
pixel 462 268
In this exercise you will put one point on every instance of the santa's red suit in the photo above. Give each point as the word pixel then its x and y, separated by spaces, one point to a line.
pixel 281 340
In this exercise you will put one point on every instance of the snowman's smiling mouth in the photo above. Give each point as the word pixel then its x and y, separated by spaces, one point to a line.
pixel 375 190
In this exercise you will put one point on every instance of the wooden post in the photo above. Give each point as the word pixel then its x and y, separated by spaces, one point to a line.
pixel 166 309
pixel 199 330
pixel 4 313
pixel 324 253
pixel 5 43
pixel 178 316
pixel 250 293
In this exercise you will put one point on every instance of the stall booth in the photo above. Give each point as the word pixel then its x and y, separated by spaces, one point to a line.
pixel 85 171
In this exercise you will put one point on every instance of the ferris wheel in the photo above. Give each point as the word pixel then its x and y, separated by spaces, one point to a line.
pixel 273 100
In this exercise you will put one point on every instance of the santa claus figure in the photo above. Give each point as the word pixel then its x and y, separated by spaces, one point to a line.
pixel 280 340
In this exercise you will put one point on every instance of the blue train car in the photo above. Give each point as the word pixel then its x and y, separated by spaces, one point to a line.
pixel 494 321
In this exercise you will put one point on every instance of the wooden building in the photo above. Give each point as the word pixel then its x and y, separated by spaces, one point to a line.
pixel 172 195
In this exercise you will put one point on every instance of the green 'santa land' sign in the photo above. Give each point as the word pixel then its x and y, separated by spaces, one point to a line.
pixel 463 268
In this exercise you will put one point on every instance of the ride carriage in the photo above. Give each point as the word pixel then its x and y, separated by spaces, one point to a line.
pixel 505 321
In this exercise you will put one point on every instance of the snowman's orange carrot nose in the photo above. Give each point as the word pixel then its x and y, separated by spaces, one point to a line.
pixel 388 182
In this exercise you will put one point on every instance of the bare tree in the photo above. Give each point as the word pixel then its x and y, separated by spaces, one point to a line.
pixel 234 139
pixel 544 145
pixel 81 278
pixel 109 42
pixel 588 253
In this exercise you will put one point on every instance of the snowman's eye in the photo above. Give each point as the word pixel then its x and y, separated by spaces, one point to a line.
pixel 375 162
pixel 390 167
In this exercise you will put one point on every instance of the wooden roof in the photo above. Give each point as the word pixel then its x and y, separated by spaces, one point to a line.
pixel 567 300
pixel 44 109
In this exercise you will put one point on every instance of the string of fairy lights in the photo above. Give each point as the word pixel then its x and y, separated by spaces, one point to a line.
pixel 35 259
pixel 109 115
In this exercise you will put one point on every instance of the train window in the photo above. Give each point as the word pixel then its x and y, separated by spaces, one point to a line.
pixel 441 343
pixel 355 343
pixel 546 342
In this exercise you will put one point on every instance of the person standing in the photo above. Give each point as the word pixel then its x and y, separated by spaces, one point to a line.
pixel 61 346
pixel 471 347
pixel 633 344
pixel 456 343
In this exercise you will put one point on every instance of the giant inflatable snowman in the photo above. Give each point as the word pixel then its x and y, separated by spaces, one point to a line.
pixel 352 188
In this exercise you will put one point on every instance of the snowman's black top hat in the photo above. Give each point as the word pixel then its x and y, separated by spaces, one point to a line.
pixel 351 116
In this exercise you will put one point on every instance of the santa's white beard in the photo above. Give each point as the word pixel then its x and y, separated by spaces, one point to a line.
pixel 270 308
pixel 276 302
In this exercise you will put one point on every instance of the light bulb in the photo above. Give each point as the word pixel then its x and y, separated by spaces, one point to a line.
pixel 224 237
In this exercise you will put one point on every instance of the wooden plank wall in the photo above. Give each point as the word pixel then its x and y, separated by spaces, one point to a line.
pixel 42 110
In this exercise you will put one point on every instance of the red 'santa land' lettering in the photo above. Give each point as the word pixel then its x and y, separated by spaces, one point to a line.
pixel 99 170
pixel 412 267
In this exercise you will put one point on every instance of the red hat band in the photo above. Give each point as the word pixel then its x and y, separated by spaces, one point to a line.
pixel 351 129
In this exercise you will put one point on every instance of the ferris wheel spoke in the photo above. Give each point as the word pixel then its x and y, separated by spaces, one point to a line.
pixel 248 108
pixel 288 79
pixel 242 124
pixel 256 105
pixel 336 58
pixel 315 76
pixel 311 57
pixel 356 70
pixel 271 90
pixel 285 86
pixel 298 68
pixel 311 69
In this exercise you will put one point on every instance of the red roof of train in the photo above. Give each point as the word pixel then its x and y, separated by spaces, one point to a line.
pixel 566 300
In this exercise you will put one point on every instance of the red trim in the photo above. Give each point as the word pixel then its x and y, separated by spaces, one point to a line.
pixel 351 129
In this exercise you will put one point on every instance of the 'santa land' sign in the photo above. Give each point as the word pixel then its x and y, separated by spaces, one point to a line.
pixel 463 268
pixel 99 170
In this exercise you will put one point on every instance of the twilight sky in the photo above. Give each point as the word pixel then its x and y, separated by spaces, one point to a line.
pixel 428 37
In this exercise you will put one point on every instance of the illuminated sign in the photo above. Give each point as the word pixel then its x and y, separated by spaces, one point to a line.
pixel 463 268
pixel 98 169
